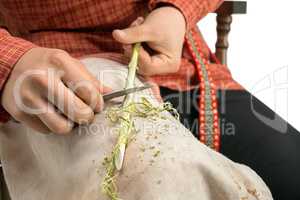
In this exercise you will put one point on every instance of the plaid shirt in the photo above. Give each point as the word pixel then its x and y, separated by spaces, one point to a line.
pixel 84 27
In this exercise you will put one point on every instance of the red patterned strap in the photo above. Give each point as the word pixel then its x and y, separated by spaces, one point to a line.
pixel 209 128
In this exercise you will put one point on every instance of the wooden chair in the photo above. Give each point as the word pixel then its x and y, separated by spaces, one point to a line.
pixel 224 20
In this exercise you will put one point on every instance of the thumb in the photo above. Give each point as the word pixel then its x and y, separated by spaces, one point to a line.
pixel 132 34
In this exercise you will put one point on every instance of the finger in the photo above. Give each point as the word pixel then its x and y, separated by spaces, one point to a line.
pixel 77 70
pixel 69 104
pixel 156 64
pixel 83 83
pixel 86 86
pixel 144 62
pixel 131 35
pixel 128 47
pixel 88 94
pixel 34 122
pixel 47 118
pixel 56 122
pixel 37 106
pixel 153 65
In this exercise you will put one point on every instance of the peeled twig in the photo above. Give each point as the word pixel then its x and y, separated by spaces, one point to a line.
pixel 132 68
pixel 127 122
pixel 115 162
pixel 124 116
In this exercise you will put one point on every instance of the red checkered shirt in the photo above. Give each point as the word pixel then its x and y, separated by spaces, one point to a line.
pixel 84 27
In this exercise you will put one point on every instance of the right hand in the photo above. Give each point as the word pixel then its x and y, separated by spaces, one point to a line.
pixel 54 85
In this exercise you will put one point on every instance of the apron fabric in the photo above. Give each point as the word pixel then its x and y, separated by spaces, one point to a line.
pixel 47 167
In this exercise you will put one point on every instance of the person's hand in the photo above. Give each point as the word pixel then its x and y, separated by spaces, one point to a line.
pixel 48 90
pixel 163 31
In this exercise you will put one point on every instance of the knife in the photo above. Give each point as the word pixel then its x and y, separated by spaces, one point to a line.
pixel 121 93
pixel 110 96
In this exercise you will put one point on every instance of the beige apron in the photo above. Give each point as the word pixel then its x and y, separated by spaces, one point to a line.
pixel 163 162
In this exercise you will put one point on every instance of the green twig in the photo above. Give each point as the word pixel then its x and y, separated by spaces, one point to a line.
pixel 124 116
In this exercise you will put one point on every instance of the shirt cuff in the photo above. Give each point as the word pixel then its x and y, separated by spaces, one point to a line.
pixel 11 50
pixel 193 10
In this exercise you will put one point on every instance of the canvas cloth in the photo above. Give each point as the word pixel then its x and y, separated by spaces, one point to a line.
pixel 48 167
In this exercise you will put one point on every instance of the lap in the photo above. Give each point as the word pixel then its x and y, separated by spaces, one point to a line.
pixel 251 134
pixel 163 161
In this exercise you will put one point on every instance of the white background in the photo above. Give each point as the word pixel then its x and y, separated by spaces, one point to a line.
pixel 264 53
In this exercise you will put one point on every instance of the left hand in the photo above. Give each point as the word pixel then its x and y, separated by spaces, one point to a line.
pixel 163 31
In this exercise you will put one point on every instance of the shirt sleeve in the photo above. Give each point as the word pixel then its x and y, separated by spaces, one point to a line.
pixel 193 10
pixel 11 49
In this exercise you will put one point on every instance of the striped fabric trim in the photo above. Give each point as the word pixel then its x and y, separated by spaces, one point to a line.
pixel 209 129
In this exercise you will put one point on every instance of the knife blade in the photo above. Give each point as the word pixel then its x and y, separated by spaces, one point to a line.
pixel 121 93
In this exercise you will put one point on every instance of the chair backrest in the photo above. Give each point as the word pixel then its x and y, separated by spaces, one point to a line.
pixel 224 20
